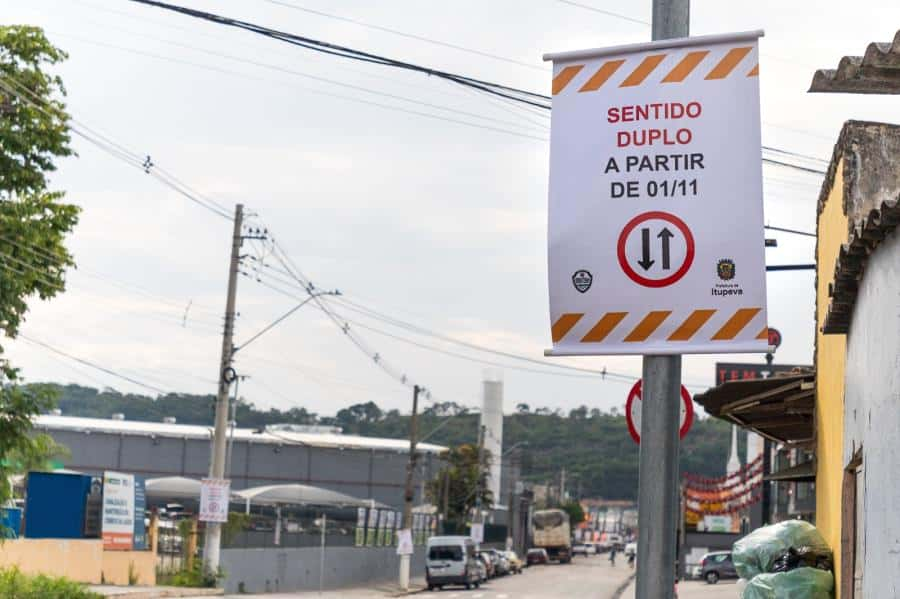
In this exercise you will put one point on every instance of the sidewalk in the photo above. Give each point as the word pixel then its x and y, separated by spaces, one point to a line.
pixel 141 592
pixel 696 589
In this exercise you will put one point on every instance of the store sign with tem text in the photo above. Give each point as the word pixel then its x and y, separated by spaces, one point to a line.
pixel 215 494
pixel 118 511
pixel 655 226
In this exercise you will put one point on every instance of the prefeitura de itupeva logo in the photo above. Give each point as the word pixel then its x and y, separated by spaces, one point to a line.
pixel 725 269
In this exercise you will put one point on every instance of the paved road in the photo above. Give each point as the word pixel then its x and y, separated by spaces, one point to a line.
pixel 591 578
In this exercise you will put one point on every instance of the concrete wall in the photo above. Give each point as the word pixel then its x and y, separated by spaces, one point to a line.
pixel 82 560
pixel 830 354
pixel 872 415
pixel 363 473
pixel 270 570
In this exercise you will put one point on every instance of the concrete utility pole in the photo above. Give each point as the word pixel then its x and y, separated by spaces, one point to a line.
pixel 478 490
pixel 213 537
pixel 408 496
pixel 658 508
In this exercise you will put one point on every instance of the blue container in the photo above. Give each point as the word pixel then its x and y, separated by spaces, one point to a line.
pixel 54 505
pixel 11 522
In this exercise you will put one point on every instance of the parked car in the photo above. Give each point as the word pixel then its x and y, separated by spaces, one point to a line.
pixel 716 566
pixel 488 565
pixel 451 560
pixel 592 548
pixel 501 564
pixel 579 549
pixel 481 565
pixel 536 556
pixel 515 562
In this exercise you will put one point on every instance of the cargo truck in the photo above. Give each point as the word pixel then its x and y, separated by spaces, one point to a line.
pixel 551 531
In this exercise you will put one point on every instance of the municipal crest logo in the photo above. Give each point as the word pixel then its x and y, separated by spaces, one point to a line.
pixel 725 269
pixel 582 280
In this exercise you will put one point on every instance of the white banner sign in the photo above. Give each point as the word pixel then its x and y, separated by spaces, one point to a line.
pixel 404 542
pixel 118 511
pixel 476 531
pixel 214 496
pixel 656 240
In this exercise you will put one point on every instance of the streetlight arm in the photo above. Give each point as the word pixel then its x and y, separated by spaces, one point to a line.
pixel 312 296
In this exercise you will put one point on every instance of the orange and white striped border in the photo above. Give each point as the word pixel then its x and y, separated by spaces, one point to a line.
pixel 686 330
pixel 686 64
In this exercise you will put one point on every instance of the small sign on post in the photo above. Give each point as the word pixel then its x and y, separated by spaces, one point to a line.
pixel 404 542
pixel 118 511
pixel 476 531
pixel 633 412
pixel 215 494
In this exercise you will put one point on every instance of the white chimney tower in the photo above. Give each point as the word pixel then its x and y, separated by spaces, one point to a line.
pixel 734 464
pixel 492 420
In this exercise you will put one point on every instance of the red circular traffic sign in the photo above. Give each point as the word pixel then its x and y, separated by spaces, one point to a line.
pixel 688 258
pixel 774 337
pixel 634 396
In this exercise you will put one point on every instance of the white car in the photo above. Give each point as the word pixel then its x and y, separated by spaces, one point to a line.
pixel 592 548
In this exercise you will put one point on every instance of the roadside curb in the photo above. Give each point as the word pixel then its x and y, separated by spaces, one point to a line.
pixel 617 594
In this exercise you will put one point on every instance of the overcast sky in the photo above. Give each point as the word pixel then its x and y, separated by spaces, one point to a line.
pixel 435 222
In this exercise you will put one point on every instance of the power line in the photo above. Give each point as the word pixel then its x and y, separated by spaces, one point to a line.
pixel 489 87
pixel 406 35
pixel 794 231
pixel 605 12
pixel 109 371
pixel 116 150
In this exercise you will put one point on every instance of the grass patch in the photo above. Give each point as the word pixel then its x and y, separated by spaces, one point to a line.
pixel 16 585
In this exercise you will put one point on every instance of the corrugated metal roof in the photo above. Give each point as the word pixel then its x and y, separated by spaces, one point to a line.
pixel 876 72
pixel 49 422
pixel 871 201
pixel 780 408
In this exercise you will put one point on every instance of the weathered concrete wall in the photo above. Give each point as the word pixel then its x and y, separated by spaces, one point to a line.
pixel 82 560
pixel 830 353
pixel 270 570
pixel 872 415
pixel 117 565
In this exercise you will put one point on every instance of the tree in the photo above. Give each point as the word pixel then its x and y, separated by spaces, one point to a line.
pixel 459 480
pixel 34 220
pixel 360 413
pixel 575 511
pixel 523 408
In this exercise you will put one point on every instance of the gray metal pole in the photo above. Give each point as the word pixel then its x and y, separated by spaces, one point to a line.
pixel 408 494
pixel 658 479
pixel 658 508
pixel 213 536
pixel 231 424
pixel 322 555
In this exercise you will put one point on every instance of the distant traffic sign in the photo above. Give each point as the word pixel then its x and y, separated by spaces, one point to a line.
pixel 655 226
pixel 633 412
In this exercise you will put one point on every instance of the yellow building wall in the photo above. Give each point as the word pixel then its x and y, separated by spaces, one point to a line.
pixel 830 361
pixel 81 560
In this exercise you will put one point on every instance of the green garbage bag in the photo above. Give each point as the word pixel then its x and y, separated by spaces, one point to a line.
pixel 755 553
pixel 802 583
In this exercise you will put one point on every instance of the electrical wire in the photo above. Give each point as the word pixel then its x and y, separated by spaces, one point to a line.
pixel 605 12
pixel 93 365
pixel 147 165
pixel 794 231
pixel 404 34
pixel 497 89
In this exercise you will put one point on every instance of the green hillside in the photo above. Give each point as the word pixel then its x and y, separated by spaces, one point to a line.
pixel 594 447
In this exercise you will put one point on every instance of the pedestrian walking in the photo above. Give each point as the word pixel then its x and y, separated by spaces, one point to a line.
pixel 612 556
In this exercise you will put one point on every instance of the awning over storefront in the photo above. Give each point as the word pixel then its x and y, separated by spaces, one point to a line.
pixel 801 473
pixel 780 408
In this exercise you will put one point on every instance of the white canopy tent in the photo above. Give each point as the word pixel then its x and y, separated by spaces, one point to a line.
pixel 173 487
pixel 296 494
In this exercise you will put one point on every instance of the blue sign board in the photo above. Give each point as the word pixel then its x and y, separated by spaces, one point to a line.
pixel 140 504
